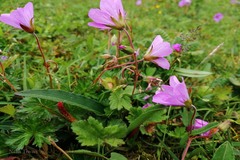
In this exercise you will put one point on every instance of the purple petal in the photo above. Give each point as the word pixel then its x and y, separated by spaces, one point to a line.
pixel 7 19
pixel 167 89
pixel 161 49
pixel 157 41
pixel 19 15
pixel 28 11
pixel 180 89
pixel 97 25
pixel 200 123
pixel 100 17
pixel 166 99
pixel 162 62
pixel 181 93
pixel 173 81
pixel 112 7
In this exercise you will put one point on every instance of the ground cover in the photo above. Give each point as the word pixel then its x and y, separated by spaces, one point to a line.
pixel 126 90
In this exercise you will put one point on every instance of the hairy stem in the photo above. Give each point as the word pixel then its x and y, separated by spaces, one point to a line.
pixel 113 67
pixel 187 147
pixel 118 44
pixel 135 60
pixel 46 65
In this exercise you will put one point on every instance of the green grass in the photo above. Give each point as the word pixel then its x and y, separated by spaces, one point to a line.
pixel 77 48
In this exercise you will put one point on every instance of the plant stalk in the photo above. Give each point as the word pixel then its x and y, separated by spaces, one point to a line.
pixel 45 63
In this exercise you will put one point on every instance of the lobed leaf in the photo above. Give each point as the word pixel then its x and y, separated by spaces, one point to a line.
pixel 91 132
pixel 120 99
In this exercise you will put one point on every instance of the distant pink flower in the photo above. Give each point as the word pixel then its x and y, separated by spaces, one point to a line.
pixel 199 124
pixel 175 94
pixel 157 51
pixel 234 2
pixel 111 15
pixel 146 105
pixel 218 17
pixel 146 97
pixel 138 2
pixel 183 3
pixel 4 58
pixel 21 18
pixel 177 47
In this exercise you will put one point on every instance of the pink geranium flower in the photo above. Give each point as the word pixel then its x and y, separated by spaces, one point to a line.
pixel 157 51
pixel 175 94
pixel 199 124
pixel 21 18
pixel 138 2
pixel 183 3
pixel 177 47
pixel 111 15
pixel 218 17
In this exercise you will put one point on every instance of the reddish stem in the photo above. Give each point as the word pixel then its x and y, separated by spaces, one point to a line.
pixel 46 65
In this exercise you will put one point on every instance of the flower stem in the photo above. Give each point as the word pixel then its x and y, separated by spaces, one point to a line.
pixel 46 65
pixel 135 60
pixel 118 44
pixel 113 67
pixel 187 147
pixel 129 38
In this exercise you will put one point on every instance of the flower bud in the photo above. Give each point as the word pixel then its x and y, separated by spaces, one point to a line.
pixel 114 40
pixel 106 56
pixel 126 49
pixel 224 125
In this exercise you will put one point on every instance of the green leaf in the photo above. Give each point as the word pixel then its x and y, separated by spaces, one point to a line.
pixel 224 151
pixel 192 73
pixel 34 130
pixel 87 152
pixel 117 156
pixel 204 129
pixel 8 109
pixel 144 116
pixel 120 99
pixel 186 116
pixel 65 97
pixel 179 132
pixel 92 132
pixel 150 71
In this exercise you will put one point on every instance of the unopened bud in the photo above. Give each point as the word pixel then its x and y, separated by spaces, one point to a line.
pixel 224 125
pixel 106 56
pixel 126 49
pixel 114 40
pixel 188 104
